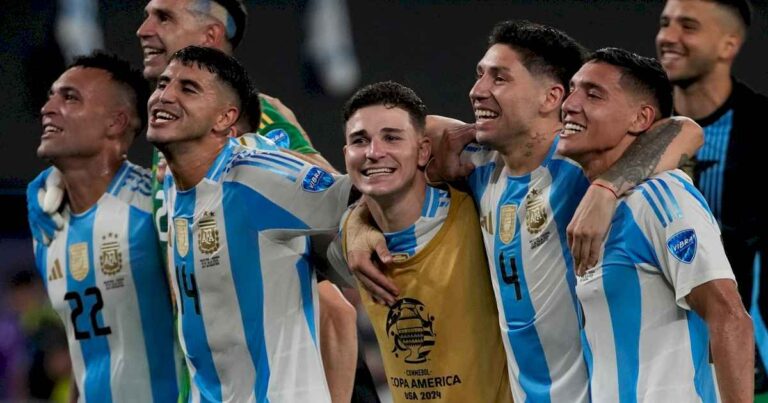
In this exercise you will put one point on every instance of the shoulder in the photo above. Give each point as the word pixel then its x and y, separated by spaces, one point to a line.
pixel 667 198
pixel 133 186
pixel 250 165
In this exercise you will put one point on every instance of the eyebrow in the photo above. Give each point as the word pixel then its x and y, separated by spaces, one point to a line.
pixel 64 88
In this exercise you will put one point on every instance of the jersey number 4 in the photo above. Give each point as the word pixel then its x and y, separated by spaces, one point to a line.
pixel 187 285
pixel 511 278
pixel 79 308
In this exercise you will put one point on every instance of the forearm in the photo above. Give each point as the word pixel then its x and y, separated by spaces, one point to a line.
pixel 338 342
pixel 733 352
pixel 667 145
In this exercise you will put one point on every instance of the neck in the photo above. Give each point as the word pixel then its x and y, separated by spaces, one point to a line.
pixel 524 153
pixel 596 163
pixel 397 212
pixel 86 180
pixel 701 98
pixel 190 160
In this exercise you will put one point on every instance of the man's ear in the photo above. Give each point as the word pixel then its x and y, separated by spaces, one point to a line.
pixel 214 35
pixel 118 123
pixel 730 46
pixel 552 99
pixel 425 150
pixel 226 119
pixel 644 118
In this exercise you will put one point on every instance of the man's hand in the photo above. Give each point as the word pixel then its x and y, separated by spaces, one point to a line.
pixel 589 226
pixel 366 250
pixel 449 137
pixel 44 196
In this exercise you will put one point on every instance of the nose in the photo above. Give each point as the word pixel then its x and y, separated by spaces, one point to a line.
pixel 572 103
pixel 375 149
pixel 480 90
pixel 147 28
pixel 49 106
pixel 667 35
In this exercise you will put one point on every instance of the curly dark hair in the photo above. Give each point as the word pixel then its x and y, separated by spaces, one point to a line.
pixel 391 95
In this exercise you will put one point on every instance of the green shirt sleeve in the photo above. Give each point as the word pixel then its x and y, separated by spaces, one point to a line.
pixel 277 128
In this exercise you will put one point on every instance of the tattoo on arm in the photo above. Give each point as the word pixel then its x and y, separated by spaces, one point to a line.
pixel 641 158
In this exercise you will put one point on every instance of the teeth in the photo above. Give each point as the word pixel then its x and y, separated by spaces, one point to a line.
pixel 162 115
pixel 378 171
pixel 50 129
pixel 152 51
pixel 572 128
pixel 485 114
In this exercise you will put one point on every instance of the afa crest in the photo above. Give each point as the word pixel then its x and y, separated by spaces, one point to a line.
pixel 110 258
pixel 507 220
pixel 78 261
pixel 535 212
pixel 182 236
pixel 411 328
pixel 208 238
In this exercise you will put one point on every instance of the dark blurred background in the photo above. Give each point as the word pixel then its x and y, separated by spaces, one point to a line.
pixel 431 46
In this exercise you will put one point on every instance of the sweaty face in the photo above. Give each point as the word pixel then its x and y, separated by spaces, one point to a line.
pixel 77 114
pixel 505 96
pixel 167 28
pixel 691 38
pixel 384 151
pixel 185 105
pixel 597 113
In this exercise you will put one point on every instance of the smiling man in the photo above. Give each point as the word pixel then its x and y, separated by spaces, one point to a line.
pixel 104 273
pixel 240 220
pixel 438 340
pixel 697 44
pixel 661 305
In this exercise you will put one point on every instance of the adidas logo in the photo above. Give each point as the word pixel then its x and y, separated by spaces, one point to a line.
pixel 54 273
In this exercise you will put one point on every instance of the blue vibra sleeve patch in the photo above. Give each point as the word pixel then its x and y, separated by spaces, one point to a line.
pixel 683 245
pixel 317 180
pixel 279 137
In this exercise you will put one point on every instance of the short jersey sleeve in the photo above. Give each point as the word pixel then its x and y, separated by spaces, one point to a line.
pixel 311 194
pixel 682 231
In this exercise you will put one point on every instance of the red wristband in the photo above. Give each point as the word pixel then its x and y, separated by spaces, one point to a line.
pixel 606 187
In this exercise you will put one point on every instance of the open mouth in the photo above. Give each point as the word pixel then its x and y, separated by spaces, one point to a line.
pixel 482 114
pixel 150 52
pixel 373 172
pixel 49 129
pixel 570 128
pixel 162 116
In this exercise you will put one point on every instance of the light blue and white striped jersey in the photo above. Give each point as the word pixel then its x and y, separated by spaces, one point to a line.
pixel 410 241
pixel 524 219
pixel 105 278
pixel 646 343
pixel 245 292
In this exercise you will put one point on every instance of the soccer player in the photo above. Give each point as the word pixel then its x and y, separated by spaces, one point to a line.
pixel 104 272
pixel 239 224
pixel 662 303
pixel 438 340
pixel 697 43
pixel 527 195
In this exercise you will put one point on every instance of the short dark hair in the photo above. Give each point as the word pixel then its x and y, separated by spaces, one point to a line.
pixel 543 50
pixel 740 8
pixel 123 73
pixel 223 66
pixel 642 75
pixel 251 114
pixel 391 95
